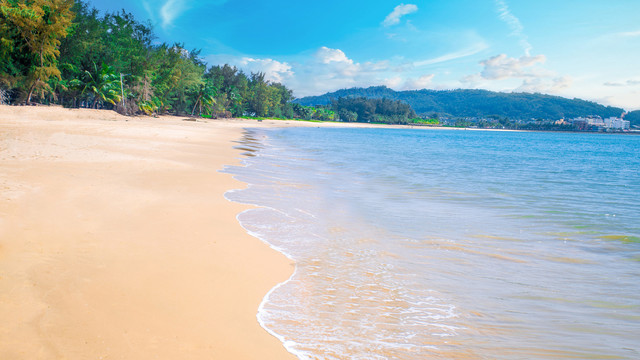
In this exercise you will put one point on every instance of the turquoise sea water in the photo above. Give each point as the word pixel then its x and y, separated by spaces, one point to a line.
pixel 414 244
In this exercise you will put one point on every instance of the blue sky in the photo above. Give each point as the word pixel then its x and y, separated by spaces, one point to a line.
pixel 573 48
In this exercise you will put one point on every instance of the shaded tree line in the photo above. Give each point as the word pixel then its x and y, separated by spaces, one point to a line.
pixel 633 117
pixel 362 109
pixel 66 52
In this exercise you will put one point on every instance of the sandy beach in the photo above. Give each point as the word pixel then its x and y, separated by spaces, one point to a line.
pixel 116 241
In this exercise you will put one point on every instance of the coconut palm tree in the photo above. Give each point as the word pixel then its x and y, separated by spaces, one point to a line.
pixel 104 84
pixel 206 97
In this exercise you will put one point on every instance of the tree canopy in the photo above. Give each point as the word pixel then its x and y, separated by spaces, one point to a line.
pixel 30 35
pixel 633 117
pixel 68 53
pixel 362 109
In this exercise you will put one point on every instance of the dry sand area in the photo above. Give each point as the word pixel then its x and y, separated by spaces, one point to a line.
pixel 116 241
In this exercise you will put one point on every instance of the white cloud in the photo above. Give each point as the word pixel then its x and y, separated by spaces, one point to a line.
pixel 499 72
pixel 147 7
pixel 539 85
pixel 630 82
pixel 503 67
pixel 629 34
pixel 418 83
pixel 617 41
pixel 274 70
pixel 399 11
pixel 517 30
pixel 331 69
pixel 335 64
pixel 625 99
pixel 398 83
pixel 170 11
pixel 326 55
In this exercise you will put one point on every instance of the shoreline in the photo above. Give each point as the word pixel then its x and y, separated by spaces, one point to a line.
pixel 116 240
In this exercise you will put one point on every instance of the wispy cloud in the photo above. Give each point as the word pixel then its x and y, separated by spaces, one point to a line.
pixel 148 8
pixel 503 67
pixel 399 83
pixel 399 11
pixel 628 34
pixel 538 85
pixel 517 30
pixel 617 38
pixel 535 78
pixel 476 48
pixel 631 82
pixel 170 11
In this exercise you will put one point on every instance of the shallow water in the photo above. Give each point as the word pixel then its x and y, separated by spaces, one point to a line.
pixel 413 244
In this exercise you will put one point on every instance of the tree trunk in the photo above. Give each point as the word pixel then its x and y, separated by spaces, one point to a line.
pixel 33 86
pixel 195 105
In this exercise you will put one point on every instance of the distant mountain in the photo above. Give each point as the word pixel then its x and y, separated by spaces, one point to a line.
pixel 477 103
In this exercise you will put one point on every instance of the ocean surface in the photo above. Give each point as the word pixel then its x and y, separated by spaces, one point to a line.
pixel 443 244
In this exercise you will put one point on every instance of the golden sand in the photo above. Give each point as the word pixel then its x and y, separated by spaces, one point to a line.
pixel 116 241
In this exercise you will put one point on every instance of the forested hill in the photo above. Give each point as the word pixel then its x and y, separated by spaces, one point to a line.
pixel 477 103
pixel 633 117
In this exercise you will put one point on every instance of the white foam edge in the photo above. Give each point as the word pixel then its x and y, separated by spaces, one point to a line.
pixel 288 344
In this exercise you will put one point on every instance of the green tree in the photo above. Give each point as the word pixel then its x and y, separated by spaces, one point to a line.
pixel 348 116
pixel 206 98
pixel 40 24
pixel 259 96
pixel 94 59
pixel 104 84
pixel 176 77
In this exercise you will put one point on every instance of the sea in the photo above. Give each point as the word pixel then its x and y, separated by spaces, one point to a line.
pixel 448 244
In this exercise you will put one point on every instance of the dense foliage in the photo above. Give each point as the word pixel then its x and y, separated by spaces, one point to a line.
pixel 30 33
pixel 68 53
pixel 633 117
pixel 362 109
pixel 477 103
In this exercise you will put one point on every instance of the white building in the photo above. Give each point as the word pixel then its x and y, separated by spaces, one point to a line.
pixel 590 120
pixel 617 123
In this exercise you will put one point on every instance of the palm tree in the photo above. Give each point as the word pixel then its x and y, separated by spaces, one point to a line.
pixel 206 97
pixel 104 84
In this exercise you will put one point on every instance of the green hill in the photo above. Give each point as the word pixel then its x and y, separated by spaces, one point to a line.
pixel 477 103
pixel 633 117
